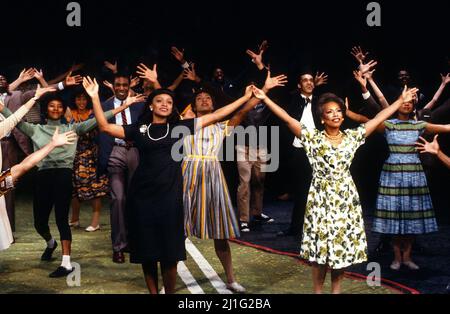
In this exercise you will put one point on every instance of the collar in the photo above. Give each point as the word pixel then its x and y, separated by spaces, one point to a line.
pixel 53 122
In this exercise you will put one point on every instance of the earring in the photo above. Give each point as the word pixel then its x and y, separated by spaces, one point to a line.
pixel 151 108
pixel 323 122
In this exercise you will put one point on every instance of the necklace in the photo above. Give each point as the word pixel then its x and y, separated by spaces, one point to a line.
pixel 157 139
pixel 335 140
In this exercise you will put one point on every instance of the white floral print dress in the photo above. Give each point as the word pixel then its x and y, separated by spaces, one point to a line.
pixel 333 231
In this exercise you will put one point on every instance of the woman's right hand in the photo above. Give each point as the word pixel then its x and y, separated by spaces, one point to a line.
pixel 259 93
pixel 91 86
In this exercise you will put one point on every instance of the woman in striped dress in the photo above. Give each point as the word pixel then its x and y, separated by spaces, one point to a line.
pixel 404 208
pixel 209 212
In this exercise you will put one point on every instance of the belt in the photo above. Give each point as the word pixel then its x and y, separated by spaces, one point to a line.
pixel 127 145
pixel 201 157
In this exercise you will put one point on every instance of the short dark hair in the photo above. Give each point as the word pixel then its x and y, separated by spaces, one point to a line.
pixel 147 115
pixel 198 92
pixel 327 98
pixel 121 75
pixel 45 101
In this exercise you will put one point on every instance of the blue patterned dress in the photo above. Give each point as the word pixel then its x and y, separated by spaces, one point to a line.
pixel 404 204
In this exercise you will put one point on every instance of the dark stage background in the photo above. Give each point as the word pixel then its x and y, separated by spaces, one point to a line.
pixel 316 33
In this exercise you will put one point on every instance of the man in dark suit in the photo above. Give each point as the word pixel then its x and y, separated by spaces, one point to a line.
pixel 303 108
pixel 120 159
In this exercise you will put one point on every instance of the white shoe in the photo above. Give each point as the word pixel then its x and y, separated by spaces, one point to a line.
pixel 92 229
pixel 411 265
pixel 395 265
pixel 75 224
pixel 235 287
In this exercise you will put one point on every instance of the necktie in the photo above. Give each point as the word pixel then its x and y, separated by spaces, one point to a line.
pixel 307 101
pixel 124 116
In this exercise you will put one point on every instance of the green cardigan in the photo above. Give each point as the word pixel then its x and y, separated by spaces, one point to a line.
pixel 41 134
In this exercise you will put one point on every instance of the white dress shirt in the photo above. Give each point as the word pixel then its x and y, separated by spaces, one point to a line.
pixel 117 104
pixel 307 119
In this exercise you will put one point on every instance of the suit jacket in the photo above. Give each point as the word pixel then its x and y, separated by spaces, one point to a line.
pixel 297 106
pixel 14 101
pixel 106 142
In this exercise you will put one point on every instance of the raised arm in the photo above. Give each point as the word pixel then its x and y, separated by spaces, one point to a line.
pixel 353 115
pixel 24 76
pixel 270 83
pixel 145 72
pixel 39 75
pixel 291 123
pixel 445 81
pixel 423 146
pixel 223 112
pixel 177 81
pixel 381 99
pixel 114 130
pixel 15 118
pixel 407 96
pixel 32 160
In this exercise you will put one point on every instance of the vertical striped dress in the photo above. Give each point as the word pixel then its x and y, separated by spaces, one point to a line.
pixel 209 213
pixel 404 204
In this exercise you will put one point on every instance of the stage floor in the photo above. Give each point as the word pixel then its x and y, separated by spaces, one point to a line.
pixel 260 270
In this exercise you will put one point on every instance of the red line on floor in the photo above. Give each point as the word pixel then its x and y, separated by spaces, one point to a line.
pixel 384 282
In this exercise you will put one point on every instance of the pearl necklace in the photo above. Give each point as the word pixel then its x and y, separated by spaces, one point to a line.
pixel 157 139
pixel 335 140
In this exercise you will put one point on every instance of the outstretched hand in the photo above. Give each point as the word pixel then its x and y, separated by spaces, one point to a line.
pixel 73 80
pixel 91 86
pixel 424 146
pixel 362 79
pixel 42 91
pixel 146 73
pixel 409 94
pixel 359 54
pixel 178 54
pixel 272 82
pixel 320 79
pixel 64 138
pixel 259 93
pixel 364 68
pixel 26 75
pixel 445 79
pixel 189 73
pixel 134 99
pixel 111 66
pixel 256 58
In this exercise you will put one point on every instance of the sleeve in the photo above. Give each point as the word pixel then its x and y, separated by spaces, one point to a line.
pixel 358 135
pixel 10 123
pixel 88 125
pixel 25 127
pixel 131 131
pixel 306 137
pixel 422 127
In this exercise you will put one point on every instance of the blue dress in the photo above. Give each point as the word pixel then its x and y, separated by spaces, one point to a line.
pixel 404 204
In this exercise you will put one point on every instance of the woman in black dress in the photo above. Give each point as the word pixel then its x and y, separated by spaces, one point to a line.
pixel 155 208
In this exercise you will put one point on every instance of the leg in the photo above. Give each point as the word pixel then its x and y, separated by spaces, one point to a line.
pixel 407 242
pixel 42 204
pixel 63 194
pixel 151 276
pixel 319 272
pixel 169 275
pixel 243 190
pixel 257 185
pixel 10 151
pixel 337 275
pixel 223 252
pixel 75 210
pixel 96 208
pixel 118 180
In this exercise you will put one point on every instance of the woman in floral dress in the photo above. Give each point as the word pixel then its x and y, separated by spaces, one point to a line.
pixel 333 232
pixel 87 184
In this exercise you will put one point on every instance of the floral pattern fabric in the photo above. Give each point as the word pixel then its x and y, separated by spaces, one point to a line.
pixel 333 231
